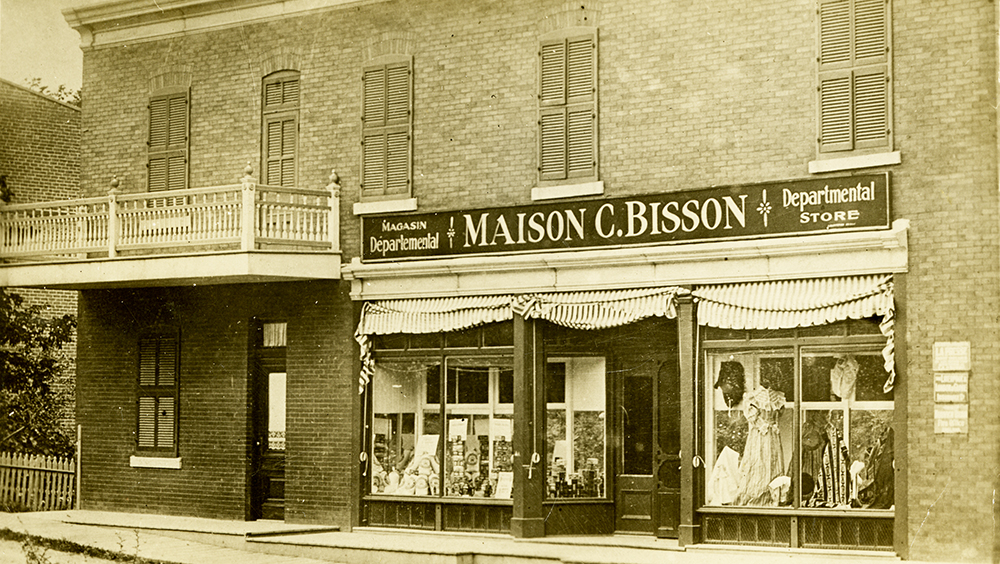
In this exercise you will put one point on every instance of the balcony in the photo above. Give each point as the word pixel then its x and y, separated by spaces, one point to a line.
pixel 246 232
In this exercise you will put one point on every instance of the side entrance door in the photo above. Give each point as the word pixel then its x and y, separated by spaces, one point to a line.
pixel 647 496
pixel 267 496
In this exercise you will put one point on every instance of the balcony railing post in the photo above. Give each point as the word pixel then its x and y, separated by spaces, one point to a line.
pixel 113 219
pixel 334 220
pixel 249 210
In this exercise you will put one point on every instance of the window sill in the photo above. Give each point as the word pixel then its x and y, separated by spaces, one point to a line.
pixel 567 191
pixel 849 163
pixel 154 462
pixel 385 206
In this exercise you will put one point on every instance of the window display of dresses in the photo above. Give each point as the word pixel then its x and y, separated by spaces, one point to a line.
pixel 763 458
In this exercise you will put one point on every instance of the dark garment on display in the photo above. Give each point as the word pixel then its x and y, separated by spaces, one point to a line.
pixel 732 382
pixel 880 493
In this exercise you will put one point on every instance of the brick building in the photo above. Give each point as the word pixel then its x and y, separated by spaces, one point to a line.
pixel 40 161
pixel 714 272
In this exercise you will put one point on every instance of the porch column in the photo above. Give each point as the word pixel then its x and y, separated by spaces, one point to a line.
pixel 529 410
pixel 690 527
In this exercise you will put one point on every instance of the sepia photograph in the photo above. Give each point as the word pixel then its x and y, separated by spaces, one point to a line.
pixel 499 281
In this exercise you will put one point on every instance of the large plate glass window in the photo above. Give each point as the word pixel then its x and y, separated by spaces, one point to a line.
pixel 803 426
pixel 442 424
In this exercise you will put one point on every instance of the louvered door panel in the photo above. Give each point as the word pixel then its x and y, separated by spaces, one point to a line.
pixel 834 33
pixel 373 174
pixel 580 140
pixel 147 422
pixel 870 32
pixel 836 120
pixel 553 74
pixel 165 418
pixel 871 113
pixel 553 144
pixel 397 163
pixel 374 98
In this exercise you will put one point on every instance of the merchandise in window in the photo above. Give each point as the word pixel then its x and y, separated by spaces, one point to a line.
pixel 575 427
pixel 471 455
pixel 844 456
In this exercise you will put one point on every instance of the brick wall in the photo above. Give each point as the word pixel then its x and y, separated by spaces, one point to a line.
pixel 691 95
pixel 39 145
pixel 214 439
pixel 40 157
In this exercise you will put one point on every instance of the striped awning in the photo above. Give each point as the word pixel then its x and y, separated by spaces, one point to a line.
pixel 599 310
pixel 578 310
pixel 432 315
pixel 801 303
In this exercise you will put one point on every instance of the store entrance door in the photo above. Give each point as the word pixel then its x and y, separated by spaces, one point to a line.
pixel 648 482
pixel 667 460
pixel 635 480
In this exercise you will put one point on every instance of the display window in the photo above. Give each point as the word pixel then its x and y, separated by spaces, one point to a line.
pixel 575 427
pixel 442 420
pixel 804 423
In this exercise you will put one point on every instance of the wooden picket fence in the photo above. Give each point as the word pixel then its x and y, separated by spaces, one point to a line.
pixel 36 483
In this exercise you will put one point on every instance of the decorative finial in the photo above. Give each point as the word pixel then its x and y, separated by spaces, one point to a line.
pixel 334 185
pixel 248 171
pixel 114 182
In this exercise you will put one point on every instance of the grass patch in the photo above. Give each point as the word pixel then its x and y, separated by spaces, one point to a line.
pixel 35 547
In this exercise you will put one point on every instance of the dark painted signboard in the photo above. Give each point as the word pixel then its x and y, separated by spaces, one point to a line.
pixel 800 207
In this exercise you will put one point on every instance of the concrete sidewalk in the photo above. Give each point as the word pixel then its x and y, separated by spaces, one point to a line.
pixel 186 540
pixel 149 544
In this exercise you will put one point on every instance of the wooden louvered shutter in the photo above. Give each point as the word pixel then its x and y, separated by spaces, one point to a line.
pixel 386 128
pixel 281 129
pixel 168 142
pixel 853 77
pixel 157 394
pixel 871 74
pixel 567 109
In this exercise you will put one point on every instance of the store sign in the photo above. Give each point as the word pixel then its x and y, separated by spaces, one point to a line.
pixel 800 207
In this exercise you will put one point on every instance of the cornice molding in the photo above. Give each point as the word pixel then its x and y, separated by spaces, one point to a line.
pixel 113 22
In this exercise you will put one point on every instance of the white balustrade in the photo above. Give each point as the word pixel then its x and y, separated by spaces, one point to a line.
pixel 248 216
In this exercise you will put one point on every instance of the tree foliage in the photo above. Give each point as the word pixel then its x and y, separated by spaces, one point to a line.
pixel 62 92
pixel 30 359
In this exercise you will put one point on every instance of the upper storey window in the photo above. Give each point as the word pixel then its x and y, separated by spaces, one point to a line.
pixel 168 141
pixel 854 81
pixel 567 107
pixel 386 128
pixel 280 122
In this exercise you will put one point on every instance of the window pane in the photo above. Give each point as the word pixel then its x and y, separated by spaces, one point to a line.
pixel 404 444
pixel 575 427
pixel 276 411
pixel 846 431
pixel 750 414
pixel 479 429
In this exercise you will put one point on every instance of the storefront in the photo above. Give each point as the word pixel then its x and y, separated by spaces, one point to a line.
pixel 713 366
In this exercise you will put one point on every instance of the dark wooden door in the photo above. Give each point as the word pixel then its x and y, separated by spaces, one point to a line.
pixel 648 484
pixel 667 460
pixel 635 482
pixel 268 464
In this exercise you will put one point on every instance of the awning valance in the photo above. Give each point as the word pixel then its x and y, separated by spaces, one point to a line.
pixel 801 303
pixel 578 310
